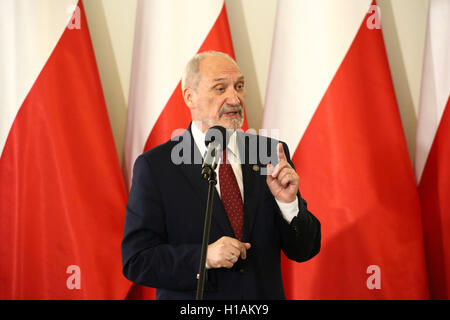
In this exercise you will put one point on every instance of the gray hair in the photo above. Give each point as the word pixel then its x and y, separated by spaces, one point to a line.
pixel 191 74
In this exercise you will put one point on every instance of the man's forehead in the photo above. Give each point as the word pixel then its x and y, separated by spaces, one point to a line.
pixel 219 68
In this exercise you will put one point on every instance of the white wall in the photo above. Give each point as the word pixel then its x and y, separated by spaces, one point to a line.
pixel 111 24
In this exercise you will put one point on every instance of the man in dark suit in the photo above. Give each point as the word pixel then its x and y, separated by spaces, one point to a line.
pixel 255 216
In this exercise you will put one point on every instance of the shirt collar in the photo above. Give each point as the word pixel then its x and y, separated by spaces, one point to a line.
pixel 199 138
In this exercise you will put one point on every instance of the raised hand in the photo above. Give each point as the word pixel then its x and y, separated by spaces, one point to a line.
pixel 282 179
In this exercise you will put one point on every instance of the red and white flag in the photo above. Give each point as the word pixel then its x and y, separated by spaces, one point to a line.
pixel 168 34
pixel 62 196
pixel 331 96
pixel 432 160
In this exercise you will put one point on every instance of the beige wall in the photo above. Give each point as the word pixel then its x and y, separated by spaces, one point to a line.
pixel 111 24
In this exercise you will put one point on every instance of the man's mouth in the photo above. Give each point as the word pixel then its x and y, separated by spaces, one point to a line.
pixel 232 113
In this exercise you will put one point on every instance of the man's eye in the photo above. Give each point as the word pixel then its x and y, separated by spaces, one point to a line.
pixel 240 86
pixel 220 89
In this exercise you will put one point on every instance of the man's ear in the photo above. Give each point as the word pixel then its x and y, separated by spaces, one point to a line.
pixel 188 96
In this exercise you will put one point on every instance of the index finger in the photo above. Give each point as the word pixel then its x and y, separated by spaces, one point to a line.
pixel 281 154
pixel 241 246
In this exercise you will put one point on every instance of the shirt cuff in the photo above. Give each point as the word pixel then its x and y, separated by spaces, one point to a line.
pixel 288 210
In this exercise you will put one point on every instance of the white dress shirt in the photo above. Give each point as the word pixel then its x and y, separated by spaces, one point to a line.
pixel 288 210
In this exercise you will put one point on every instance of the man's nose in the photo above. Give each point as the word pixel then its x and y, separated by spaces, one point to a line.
pixel 233 97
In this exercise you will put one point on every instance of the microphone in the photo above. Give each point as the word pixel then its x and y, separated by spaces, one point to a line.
pixel 216 140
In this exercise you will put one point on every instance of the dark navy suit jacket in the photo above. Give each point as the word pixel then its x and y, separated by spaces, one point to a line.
pixel 164 226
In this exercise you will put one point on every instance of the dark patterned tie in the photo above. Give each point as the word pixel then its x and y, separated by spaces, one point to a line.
pixel 231 196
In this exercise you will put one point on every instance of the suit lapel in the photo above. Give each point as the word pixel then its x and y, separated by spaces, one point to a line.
pixel 192 172
pixel 251 173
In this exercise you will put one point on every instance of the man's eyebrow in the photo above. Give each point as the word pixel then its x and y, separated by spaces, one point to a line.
pixel 241 78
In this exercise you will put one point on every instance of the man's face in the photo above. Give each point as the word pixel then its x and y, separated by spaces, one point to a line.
pixel 220 94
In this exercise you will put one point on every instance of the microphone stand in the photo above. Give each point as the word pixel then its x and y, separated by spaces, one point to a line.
pixel 210 174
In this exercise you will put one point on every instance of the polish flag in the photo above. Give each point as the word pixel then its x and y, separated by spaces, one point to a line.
pixel 62 196
pixel 331 96
pixel 433 148
pixel 168 34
